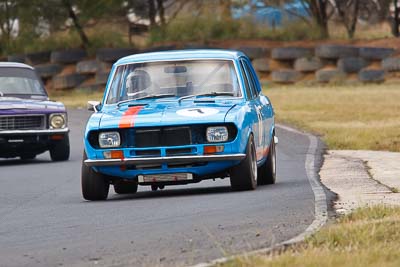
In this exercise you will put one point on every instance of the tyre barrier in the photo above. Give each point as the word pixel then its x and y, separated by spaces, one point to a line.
pixel 391 64
pixel 48 70
pixel 261 64
pixel 68 81
pixel 306 64
pixel 38 58
pixel 16 58
pixel 254 52
pixel 67 56
pixel 324 63
pixel 368 76
pixel 286 76
pixel 87 67
pixel 291 53
pixel 328 75
pixel 113 54
pixel 101 77
pixel 164 48
pixel 336 51
pixel 376 53
pixel 351 64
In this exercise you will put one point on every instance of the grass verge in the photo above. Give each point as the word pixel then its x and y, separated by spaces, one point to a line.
pixel 366 237
pixel 75 98
pixel 346 117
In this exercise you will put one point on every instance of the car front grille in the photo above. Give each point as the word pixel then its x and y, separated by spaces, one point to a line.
pixel 167 136
pixel 33 122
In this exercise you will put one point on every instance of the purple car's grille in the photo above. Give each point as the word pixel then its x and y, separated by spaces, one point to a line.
pixel 22 122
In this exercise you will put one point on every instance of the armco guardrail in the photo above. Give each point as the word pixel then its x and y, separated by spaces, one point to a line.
pixel 326 63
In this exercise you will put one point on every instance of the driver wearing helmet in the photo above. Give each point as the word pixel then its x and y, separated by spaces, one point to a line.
pixel 138 83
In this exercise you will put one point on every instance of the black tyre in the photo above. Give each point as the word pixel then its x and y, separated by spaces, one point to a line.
pixel 291 53
pixel 244 175
pixel 286 76
pixel 48 70
pixel 68 80
pixel 121 187
pixel 67 56
pixel 113 54
pixel 267 171
pixel 336 51
pixel 95 186
pixel 351 64
pixel 376 53
pixel 375 76
pixel 60 150
pixel 38 57
pixel 28 156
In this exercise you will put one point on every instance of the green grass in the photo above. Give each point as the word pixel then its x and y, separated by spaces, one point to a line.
pixel 203 29
pixel 346 117
pixel 367 237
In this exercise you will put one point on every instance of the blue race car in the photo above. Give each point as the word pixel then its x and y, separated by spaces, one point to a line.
pixel 179 117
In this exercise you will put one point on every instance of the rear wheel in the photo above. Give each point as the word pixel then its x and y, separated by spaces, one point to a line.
pixel 60 150
pixel 122 187
pixel 95 186
pixel 267 171
pixel 244 175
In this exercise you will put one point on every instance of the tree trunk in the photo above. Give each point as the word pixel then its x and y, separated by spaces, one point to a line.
pixel 396 19
pixel 318 11
pixel 161 12
pixel 354 17
pixel 78 26
pixel 152 13
pixel 225 6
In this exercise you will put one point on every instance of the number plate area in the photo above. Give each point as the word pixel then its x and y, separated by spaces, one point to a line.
pixel 170 177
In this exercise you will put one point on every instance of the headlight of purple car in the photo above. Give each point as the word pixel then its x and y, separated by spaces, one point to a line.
pixel 57 121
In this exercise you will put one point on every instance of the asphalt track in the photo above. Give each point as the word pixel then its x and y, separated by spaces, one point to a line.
pixel 45 222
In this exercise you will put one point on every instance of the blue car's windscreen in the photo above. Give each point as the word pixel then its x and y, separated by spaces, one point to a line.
pixel 174 79
pixel 20 82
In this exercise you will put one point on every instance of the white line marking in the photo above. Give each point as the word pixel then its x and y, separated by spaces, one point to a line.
pixel 321 207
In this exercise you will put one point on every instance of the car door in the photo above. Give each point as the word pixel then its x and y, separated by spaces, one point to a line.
pixel 263 109
pixel 255 107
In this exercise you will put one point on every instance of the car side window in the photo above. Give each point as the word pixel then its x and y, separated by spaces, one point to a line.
pixel 246 82
pixel 253 84
pixel 249 80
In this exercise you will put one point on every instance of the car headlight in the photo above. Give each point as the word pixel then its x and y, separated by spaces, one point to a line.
pixel 57 121
pixel 217 134
pixel 109 139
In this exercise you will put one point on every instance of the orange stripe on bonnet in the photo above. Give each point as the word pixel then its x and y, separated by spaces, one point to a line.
pixel 128 119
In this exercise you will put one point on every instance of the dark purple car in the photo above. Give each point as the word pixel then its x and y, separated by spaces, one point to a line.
pixel 30 123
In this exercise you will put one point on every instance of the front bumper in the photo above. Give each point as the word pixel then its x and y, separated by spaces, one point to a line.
pixel 14 143
pixel 160 160
pixel 35 132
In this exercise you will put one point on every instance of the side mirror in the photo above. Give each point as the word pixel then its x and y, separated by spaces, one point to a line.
pixel 93 106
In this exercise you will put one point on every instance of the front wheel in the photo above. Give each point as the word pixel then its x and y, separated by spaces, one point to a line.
pixel 60 150
pixel 95 186
pixel 244 175
pixel 267 171
pixel 121 187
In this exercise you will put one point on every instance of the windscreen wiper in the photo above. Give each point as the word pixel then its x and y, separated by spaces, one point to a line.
pixel 207 94
pixel 155 96
pixel 145 97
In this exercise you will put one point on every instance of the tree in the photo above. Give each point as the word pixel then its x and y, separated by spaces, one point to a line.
pixel 318 10
pixel 396 19
pixel 8 17
pixel 348 11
